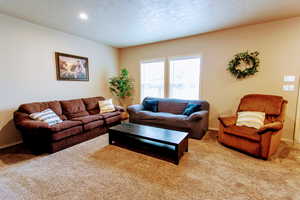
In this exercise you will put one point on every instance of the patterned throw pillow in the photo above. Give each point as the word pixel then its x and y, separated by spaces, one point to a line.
pixel 47 116
pixel 106 106
pixel 251 119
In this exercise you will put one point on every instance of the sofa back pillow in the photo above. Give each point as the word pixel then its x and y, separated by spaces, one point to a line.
pixel 150 105
pixel 191 108
pixel 47 116
pixel 30 108
pixel 251 119
pixel 106 106
pixel 92 104
pixel 74 108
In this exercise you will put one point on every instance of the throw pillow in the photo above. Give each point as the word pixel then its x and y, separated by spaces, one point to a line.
pixel 191 108
pixel 151 105
pixel 251 119
pixel 106 106
pixel 48 116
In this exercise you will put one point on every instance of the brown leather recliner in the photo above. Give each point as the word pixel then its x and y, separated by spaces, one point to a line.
pixel 261 142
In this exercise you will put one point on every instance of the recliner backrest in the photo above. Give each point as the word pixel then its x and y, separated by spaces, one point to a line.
pixel 272 105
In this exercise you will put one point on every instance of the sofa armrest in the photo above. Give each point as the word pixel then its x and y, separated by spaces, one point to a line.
pixel 32 124
pixel 119 108
pixel 228 121
pixel 274 126
pixel 135 108
pixel 197 115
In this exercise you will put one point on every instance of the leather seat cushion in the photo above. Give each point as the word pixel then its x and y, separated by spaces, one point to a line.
pixel 87 119
pixel 93 125
pixel 244 132
pixel 113 119
pixel 66 133
pixel 64 125
pixel 110 114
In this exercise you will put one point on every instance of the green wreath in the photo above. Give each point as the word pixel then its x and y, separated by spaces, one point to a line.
pixel 244 64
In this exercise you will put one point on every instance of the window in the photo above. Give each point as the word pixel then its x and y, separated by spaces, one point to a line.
pixel 184 78
pixel 152 79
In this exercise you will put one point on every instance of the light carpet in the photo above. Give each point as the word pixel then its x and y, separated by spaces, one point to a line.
pixel 96 170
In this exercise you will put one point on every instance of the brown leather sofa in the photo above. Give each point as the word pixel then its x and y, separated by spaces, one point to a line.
pixel 261 142
pixel 81 122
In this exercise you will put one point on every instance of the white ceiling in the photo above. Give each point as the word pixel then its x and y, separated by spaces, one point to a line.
pixel 122 23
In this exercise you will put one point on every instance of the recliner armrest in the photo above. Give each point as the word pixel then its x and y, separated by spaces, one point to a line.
pixel 197 115
pixel 228 121
pixel 135 108
pixel 274 126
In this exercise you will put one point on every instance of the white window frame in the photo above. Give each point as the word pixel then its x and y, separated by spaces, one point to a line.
pixel 172 58
pixel 167 66
pixel 141 74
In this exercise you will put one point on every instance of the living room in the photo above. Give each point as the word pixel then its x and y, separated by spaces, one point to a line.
pixel 108 36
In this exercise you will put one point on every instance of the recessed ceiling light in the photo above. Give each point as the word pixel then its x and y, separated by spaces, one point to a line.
pixel 83 16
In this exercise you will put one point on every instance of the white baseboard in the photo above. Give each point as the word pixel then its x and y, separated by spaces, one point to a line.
pixel 288 140
pixel 11 144
pixel 213 129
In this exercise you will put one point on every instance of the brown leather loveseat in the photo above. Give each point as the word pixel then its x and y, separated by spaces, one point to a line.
pixel 81 122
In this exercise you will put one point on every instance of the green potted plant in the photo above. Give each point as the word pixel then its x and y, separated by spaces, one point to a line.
pixel 121 86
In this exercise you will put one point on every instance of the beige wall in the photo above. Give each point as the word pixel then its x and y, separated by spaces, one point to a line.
pixel 279 46
pixel 28 69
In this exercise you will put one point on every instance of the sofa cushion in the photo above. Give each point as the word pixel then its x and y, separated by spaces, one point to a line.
pixel 113 119
pixel 171 107
pixel 150 105
pixel 106 106
pixel 89 118
pixel 110 114
pixel 92 103
pixel 66 133
pixel 251 119
pixel 74 108
pixel 47 116
pixel 244 132
pixel 30 108
pixel 92 125
pixel 191 108
pixel 162 118
pixel 64 125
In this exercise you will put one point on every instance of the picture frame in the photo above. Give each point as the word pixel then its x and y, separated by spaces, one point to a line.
pixel 71 67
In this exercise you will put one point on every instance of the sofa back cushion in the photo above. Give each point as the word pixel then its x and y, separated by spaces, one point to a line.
pixel 176 106
pixel 269 104
pixel 74 108
pixel 92 105
pixel 30 108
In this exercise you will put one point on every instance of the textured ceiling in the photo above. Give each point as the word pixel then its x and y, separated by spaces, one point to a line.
pixel 122 23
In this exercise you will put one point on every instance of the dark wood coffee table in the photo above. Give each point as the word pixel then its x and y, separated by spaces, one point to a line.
pixel 165 137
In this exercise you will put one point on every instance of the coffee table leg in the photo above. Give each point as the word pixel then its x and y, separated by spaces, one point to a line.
pixel 110 138
pixel 176 156
pixel 186 144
